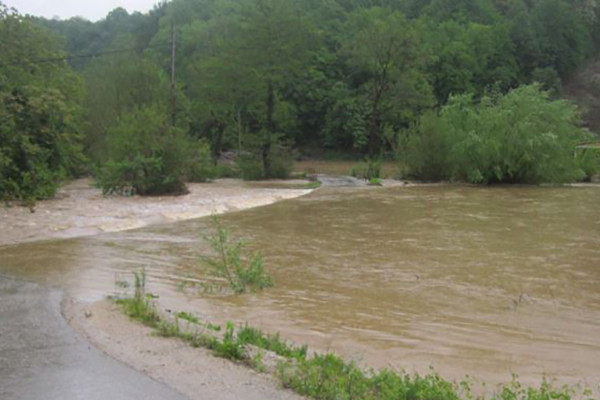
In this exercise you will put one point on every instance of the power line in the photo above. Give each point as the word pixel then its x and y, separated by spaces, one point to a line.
pixel 75 57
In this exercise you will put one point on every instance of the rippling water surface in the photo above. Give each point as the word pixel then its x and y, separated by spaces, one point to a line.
pixel 469 280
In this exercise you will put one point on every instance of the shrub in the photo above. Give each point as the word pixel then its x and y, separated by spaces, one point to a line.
pixel 371 169
pixel 243 270
pixel 147 156
pixel 250 167
pixel 281 161
pixel 201 166
pixel 588 160
pixel 520 137
pixel 40 143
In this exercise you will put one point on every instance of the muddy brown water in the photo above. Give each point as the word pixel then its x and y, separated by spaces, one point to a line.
pixel 472 281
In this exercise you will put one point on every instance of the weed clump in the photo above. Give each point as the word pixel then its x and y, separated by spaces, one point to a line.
pixel 242 269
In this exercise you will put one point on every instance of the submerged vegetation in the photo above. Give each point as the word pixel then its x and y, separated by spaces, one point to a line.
pixel 242 269
pixel 443 86
pixel 320 376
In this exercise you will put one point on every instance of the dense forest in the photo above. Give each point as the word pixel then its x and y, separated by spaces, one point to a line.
pixel 465 90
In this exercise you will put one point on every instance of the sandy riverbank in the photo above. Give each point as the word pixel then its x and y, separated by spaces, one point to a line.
pixel 194 372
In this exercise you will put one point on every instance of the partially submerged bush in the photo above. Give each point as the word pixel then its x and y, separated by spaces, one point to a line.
pixel 242 269
pixel 520 137
pixel 371 169
pixel 147 156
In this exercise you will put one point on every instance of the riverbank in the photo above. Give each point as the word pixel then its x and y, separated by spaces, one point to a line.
pixel 195 372
pixel 80 209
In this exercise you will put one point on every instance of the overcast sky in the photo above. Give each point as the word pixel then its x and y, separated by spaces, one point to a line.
pixel 89 9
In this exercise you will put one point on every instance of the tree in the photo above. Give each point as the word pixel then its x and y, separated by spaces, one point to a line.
pixel 383 48
pixel 40 116
pixel 272 44
pixel 116 85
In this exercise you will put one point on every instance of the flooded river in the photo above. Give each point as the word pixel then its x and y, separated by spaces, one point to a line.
pixel 472 281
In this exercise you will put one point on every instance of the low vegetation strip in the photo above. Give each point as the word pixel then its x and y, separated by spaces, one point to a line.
pixel 319 376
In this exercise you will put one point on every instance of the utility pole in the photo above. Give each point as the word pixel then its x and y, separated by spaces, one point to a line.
pixel 172 74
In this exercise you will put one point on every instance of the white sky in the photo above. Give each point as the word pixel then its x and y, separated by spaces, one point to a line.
pixel 89 9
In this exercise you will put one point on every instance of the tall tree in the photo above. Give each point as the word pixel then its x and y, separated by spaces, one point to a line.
pixel 40 116
pixel 383 48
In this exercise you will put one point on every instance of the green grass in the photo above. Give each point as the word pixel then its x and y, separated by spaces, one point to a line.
pixel 313 185
pixel 187 316
pixel 249 335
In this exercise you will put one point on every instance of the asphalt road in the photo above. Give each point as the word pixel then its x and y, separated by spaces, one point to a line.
pixel 41 357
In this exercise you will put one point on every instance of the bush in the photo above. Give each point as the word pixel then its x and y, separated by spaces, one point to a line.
pixel 588 159
pixel 281 161
pixel 369 170
pixel 147 156
pixel 520 137
pixel 242 270
pixel 250 167
pixel 40 144
pixel 201 167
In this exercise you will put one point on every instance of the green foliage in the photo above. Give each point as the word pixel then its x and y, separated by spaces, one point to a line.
pixel 139 307
pixel 249 335
pixel 201 165
pixel 229 347
pixel 375 182
pixel 242 269
pixel 40 119
pixel 187 316
pixel 147 156
pixel 118 86
pixel 588 159
pixel 521 137
pixel 329 377
pixel 250 167
pixel 257 76
pixel 546 391
pixel 369 170
pixel 383 47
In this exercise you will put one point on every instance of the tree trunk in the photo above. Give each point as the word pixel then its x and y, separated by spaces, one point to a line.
pixel 239 127
pixel 266 147
pixel 218 142
pixel 374 127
